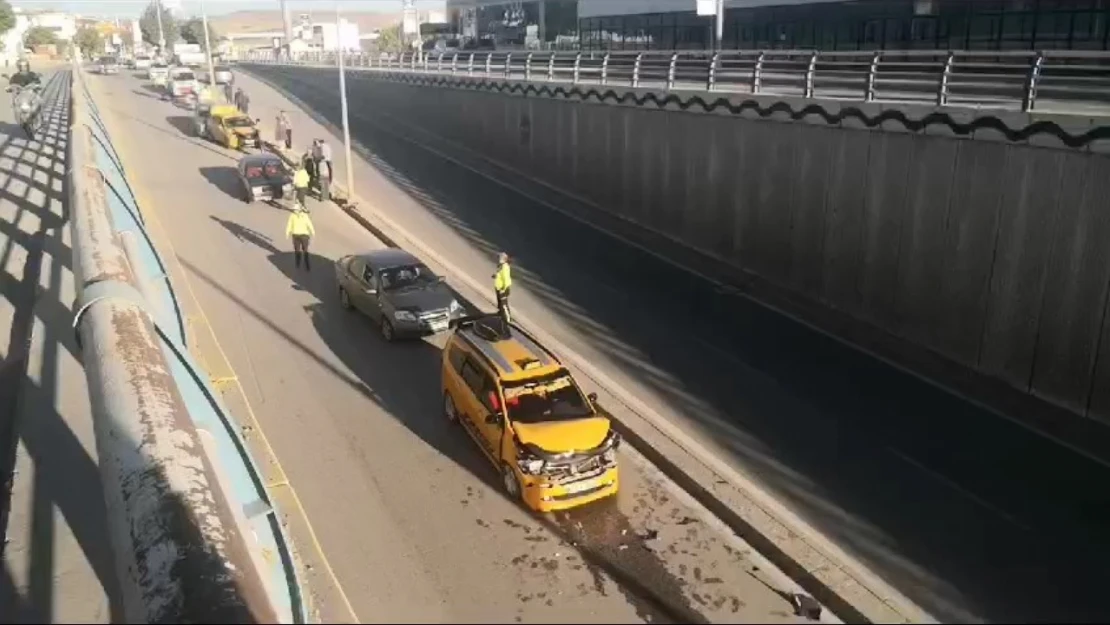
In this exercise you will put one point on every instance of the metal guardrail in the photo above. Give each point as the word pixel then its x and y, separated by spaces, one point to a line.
pixel 195 536
pixel 1050 81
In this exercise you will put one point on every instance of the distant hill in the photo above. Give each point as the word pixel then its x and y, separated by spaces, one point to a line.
pixel 266 21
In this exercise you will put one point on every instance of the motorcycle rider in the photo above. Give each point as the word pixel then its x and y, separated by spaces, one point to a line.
pixel 23 75
pixel 26 100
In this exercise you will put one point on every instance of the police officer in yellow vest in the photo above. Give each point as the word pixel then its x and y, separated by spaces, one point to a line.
pixel 299 228
pixel 502 284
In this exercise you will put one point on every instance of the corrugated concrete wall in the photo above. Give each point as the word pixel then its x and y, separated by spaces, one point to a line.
pixel 995 254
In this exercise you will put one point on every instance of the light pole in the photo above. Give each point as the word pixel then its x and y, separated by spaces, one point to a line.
pixel 720 25
pixel 343 100
pixel 208 48
pixel 161 33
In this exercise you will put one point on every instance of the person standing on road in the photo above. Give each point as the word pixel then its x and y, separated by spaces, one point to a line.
pixel 238 99
pixel 288 126
pixel 300 184
pixel 281 127
pixel 299 228
pixel 228 94
pixel 325 156
pixel 502 285
pixel 245 103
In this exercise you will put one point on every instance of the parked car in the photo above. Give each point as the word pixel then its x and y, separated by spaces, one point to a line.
pixel 182 82
pixel 158 73
pixel 264 177
pixel 401 294
pixel 107 65
pixel 232 129
pixel 224 75
pixel 552 445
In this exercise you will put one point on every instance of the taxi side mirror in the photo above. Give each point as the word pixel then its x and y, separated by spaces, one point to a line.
pixel 592 397
pixel 492 419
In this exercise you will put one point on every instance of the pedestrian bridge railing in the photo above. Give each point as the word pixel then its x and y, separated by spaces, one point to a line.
pixel 1068 82
pixel 194 533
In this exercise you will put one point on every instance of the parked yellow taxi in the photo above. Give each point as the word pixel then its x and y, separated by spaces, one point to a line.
pixel 514 397
pixel 231 128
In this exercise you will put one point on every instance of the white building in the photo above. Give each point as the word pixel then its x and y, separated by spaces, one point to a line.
pixel 327 36
pixel 11 43
pixel 63 25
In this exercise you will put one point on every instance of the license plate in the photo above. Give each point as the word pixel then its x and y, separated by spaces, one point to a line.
pixel 577 487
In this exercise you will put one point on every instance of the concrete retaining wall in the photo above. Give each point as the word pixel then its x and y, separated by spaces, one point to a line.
pixel 993 253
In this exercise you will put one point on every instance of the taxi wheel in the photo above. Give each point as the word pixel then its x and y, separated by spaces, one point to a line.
pixel 511 483
pixel 344 298
pixel 449 408
pixel 387 330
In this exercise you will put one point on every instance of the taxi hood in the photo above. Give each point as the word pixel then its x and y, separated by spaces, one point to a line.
pixel 558 437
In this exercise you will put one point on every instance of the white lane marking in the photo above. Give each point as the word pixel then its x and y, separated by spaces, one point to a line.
pixel 960 489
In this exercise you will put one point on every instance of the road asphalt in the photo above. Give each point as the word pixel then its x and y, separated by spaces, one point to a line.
pixel 405 516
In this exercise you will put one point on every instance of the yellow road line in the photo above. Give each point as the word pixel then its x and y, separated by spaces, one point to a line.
pixel 123 148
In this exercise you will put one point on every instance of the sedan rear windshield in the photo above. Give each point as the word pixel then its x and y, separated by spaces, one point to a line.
pixel 159 66
pixel 546 399
pixel 184 76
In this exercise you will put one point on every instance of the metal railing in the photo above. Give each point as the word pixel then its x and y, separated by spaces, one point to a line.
pixel 1051 81
pixel 194 534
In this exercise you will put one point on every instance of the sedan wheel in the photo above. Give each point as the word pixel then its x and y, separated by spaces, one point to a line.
pixel 344 298
pixel 387 330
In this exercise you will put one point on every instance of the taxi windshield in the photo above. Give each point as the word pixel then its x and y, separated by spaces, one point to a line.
pixel 239 121
pixel 407 276
pixel 542 400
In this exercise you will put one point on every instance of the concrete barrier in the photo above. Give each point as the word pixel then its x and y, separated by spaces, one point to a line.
pixel 195 536
pixel 983 248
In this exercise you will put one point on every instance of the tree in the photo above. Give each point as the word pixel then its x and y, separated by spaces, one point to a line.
pixel 88 41
pixel 390 39
pixel 39 36
pixel 148 24
pixel 193 32
pixel 7 17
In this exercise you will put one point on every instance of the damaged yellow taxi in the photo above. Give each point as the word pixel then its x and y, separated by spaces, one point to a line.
pixel 554 449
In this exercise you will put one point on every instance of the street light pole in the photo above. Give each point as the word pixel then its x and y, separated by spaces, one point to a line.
pixel 208 48
pixel 343 100
pixel 720 30
pixel 161 33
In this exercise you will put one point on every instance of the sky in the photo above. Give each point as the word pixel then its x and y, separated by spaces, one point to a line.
pixel 132 8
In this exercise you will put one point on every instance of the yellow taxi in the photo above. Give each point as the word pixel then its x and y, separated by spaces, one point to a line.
pixel 514 397
pixel 231 128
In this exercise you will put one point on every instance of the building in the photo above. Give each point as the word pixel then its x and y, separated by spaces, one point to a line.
pixel 63 25
pixel 767 24
pixel 327 36
pixel 12 40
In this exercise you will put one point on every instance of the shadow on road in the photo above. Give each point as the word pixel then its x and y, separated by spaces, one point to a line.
pixel 184 124
pixel 401 377
pixel 248 235
pixel 65 479
pixel 225 179
pixel 968 514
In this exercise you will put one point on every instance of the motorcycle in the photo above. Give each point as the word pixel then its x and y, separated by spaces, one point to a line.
pixel 26 105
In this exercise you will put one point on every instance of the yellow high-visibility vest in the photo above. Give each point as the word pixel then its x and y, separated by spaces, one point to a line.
pixel 503 279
